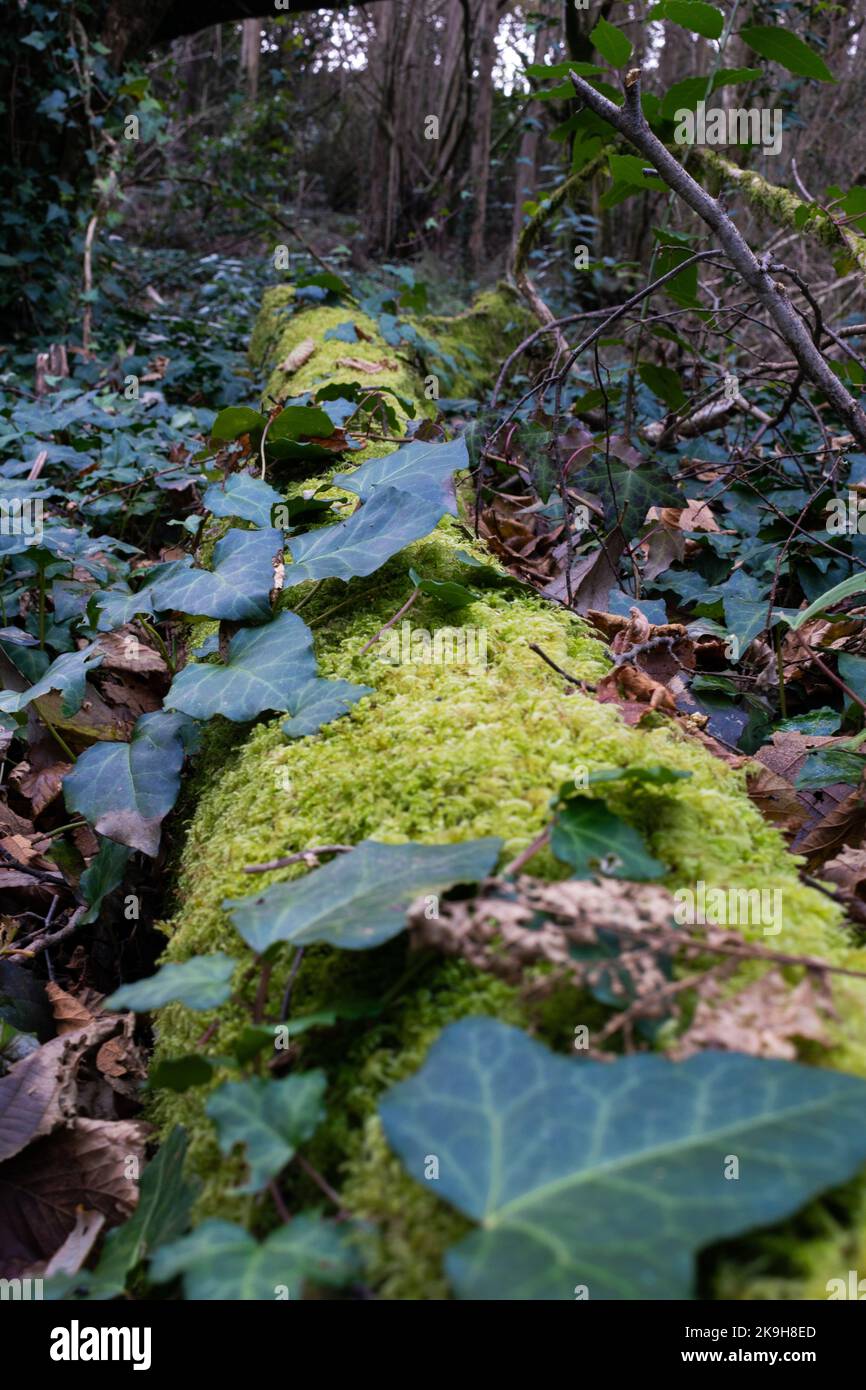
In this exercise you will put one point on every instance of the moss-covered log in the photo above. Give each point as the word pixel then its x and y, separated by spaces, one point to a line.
pixel 440 752
pixel 784 208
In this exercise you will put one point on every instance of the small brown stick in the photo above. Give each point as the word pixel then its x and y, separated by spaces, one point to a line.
pixel 284 1214
pixel 528 853
pixel 572 680
pixel 296 858
pixel 391 621
pixel 45 942
pixel 831 675
pixel 321 1183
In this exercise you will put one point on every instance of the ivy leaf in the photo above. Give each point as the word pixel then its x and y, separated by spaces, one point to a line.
pixel 445 591
pixel 251 499
pixel 423 468
pixel 592 839
pixel 693 15
pixel 125 790
pixel 68 674
pixel 784 47
pixel 611 1175
pixel 104 874
pixel 203 982
pixel 236 420
pixel 627 493
pixel 828 766
pixel 664 382
pixel 390 521
pixel 221 1261
pixel 237 588
pixel 271 1117
pixel 611 43
pixel 300 422
pixel 359 900
pixel 269 668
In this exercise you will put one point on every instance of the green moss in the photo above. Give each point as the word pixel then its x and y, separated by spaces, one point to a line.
pixel 479 339
pixel 784 208
pixel 438 752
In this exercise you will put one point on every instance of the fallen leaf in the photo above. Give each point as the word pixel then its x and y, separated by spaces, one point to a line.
pixel 362 364
pixel 39 1092
pixel 776 798
pixel 848 872
pixel 70 1013
pixel 763 1019
pixel 298 357
pixel 125 652
pixel 90 1164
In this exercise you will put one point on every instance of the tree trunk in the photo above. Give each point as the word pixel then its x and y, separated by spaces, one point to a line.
pixel 479 168
pixel 251 47
pixel 526 177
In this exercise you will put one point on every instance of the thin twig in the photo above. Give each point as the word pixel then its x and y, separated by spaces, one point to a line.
pixel 296 858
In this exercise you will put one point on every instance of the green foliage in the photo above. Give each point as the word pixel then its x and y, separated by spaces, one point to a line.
pixel 694 15
pixel 251 499
pixel 126 790
pixel 204 982
pixel 221 1261
pixel 359 900
pixel 238 586
pixel 390 521
pixel 270 1117
pixel 611 43
pixel 788 49
pixel 271 667
pixel 590 838
pixel 421 469
pixel 603 1180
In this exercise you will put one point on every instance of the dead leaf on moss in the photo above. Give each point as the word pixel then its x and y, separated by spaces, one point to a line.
pixel 776 798
pixel 298 357
pixel 764 1019
pixel 362 364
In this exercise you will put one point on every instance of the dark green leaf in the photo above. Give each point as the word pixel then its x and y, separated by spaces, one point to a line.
pixel 269 668
pixel 592 840
pixel 251 499
pixel 237 589
pixel 270 1117
pixel 222 1262
pixel 359 900
pixel 782 46
pixel 612 1175
pixel 386 524
pixel 203 982
pixel 126 790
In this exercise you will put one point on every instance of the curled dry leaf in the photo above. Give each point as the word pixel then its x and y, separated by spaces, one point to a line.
pixel 90 1164
pixel 124 651
pixel 40 1092
pixel 498 931
pixel 363 364
pixel 298 357
pixel 70 1012
pixel 848 872
pixel 764 1019
pixel 40 785
pixel 626 684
